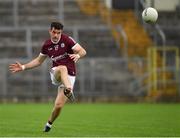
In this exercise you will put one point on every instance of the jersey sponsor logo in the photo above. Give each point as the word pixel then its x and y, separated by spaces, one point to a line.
pixel 59 57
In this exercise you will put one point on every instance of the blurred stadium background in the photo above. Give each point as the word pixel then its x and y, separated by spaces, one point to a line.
pixel 127 60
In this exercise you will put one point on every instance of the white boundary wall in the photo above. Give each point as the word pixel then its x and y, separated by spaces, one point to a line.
pixel 163 5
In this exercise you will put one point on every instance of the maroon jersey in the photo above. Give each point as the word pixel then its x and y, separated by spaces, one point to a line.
pixel 59 53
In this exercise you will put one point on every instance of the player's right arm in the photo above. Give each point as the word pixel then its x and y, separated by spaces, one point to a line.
pixel 17 67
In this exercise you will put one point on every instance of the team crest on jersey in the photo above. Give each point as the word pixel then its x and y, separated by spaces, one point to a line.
pixel 56 47
pixel 62 45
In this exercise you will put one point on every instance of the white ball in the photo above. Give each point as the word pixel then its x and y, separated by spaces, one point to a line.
pixel 150 15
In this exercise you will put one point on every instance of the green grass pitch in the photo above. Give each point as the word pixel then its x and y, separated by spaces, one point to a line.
pixel 91 120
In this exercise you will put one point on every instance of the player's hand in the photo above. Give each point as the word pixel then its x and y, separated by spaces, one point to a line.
pixel 16 67
pixel 74 57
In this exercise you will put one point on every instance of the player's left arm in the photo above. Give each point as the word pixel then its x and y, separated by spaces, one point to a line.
pixel 79 52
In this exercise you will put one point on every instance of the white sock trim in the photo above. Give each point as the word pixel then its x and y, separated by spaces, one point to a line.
pixel 49 125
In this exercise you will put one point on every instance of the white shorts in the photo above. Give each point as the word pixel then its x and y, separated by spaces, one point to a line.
pixel 56 82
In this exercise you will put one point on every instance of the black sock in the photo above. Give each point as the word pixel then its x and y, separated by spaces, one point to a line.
pixel 50 122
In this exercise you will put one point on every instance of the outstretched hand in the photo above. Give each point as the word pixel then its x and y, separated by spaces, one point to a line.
pixel 16 67
pixel 74 57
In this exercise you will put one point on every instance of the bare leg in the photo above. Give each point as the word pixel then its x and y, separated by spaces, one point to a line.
pixel 59 103
pixel 61 74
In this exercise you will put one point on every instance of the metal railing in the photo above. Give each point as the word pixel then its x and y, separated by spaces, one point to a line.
pixel 23 85
pixel 28 33
pixel 123 34
pixel 15 10
pixel 97 77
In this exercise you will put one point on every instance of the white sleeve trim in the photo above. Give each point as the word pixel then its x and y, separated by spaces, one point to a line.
pixel 41 54
pixel 74 46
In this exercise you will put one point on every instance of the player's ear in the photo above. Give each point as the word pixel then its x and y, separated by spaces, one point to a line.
pixel 50 30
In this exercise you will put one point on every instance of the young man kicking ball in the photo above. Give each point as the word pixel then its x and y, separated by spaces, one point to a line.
pixel 64 53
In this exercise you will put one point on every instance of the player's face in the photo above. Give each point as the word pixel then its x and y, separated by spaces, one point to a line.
pixel 55 34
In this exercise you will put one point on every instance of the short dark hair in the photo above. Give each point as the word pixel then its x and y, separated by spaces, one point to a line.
pixel 57 25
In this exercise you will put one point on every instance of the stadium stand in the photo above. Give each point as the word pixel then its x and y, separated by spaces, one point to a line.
pixel 104 74
pixel 167 51
pixel 170 24
pixel 22 31
pixel 140 41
